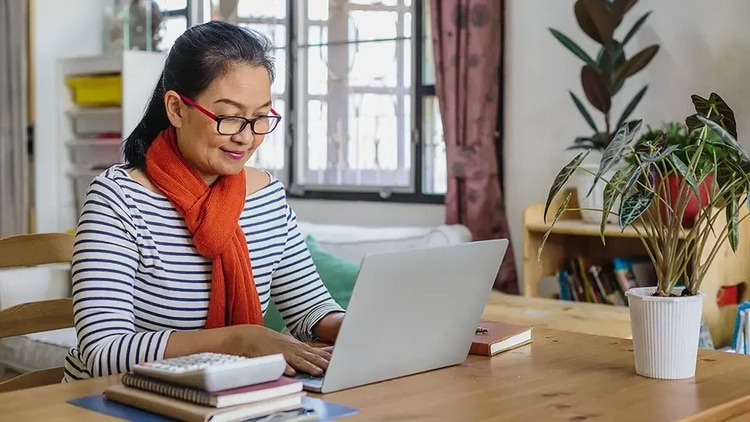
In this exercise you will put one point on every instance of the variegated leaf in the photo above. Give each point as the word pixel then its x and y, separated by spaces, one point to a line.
pixel 683 169
pixel 562 178
pixel 630 182
pixel 616 149
pixel 634 206
pixel 611 191
pixel 724 135
pixel 658 156
pixel 732 211
pixel 558 213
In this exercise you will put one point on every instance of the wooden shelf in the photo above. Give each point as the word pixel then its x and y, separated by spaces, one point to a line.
pixel 571 238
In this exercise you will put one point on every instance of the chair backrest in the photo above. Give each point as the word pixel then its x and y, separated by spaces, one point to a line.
pixel 34 317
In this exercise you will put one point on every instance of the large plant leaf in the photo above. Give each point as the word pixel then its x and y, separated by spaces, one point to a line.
pixel 711 107
pixel 636 26
pixel 562 178
pixel 611 191
pixel 616 149
pixel 610 58
pixel 634 206
pixel 572 46
pixel 724 136
pixel 693 123
pixel 558 213
pixel 598 21
pixel 728 120
pixel 619 8
pixel 632 105
pixel 595 88
pixel 732 211
pixel 635 64
pixel 584 112
pixel 658 155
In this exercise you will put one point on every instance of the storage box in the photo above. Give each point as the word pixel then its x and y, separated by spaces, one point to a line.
pixel 100 90
pixel 95 121
pixel 94 153
pixel 81 181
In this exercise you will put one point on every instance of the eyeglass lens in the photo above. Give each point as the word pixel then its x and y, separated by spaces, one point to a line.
pixel 234 125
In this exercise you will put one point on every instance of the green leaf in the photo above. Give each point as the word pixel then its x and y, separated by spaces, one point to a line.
pixel 584 112
pixel 724 136
pixel 657 155
pixel 572 46
pixel 620 7
pixel 635 64
pixel 685 172
pixel 632 178
pixel 634 206
pixel 558 213
pixel 616 149
pixel 632 105
pixel 562 177
pixel 693 123
pixel 732 211
pixel 636 26
pixel 611 191
pixel 595 88
pixel 728 120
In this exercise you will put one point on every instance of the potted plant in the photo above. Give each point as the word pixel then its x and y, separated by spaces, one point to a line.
pixel 665 319
pixel 602 79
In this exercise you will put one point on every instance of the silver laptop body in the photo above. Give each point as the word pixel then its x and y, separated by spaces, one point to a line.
pixel 411 311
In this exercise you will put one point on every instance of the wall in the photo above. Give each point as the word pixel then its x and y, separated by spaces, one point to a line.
pixel 704 49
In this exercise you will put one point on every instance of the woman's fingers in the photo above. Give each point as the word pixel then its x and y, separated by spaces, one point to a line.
pixel 324 352
pixel 299 362
pixel 289 371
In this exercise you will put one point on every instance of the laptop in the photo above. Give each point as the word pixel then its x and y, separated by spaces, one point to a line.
pixel 411 311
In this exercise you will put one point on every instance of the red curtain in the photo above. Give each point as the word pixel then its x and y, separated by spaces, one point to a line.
pixel 467 40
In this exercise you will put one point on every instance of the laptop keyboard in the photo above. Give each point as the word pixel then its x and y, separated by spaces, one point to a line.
pixel 309 380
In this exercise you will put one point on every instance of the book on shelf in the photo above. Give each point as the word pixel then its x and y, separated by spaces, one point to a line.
pixel 492 338
pixel 594 281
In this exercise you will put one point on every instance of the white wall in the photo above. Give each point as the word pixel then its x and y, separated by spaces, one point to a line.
pixel 705 47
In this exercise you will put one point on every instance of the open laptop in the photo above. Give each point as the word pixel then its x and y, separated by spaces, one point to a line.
pixel 411 311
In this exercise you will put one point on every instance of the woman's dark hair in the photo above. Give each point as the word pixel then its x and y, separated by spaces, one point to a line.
pixel 200 55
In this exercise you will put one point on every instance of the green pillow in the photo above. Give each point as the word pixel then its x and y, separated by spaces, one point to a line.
pixel 337 274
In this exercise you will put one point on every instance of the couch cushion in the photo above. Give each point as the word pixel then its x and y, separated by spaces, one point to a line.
pixel 337 274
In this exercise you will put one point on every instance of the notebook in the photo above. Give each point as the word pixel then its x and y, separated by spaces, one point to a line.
pixel 220 399
pixel 499 337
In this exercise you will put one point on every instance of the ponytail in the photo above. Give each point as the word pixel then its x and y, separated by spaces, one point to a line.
pixel 154 121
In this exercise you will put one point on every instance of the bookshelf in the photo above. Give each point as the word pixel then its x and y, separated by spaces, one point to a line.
pixel 572 238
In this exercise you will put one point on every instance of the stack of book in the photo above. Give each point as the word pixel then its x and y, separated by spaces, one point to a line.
pixel 191 404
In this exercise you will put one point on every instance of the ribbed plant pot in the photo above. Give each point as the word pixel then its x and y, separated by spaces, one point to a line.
pixel 665 333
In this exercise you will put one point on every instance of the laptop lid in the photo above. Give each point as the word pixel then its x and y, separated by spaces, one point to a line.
pixel 413 311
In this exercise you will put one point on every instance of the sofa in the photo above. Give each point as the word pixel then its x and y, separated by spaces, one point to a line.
pixel 47 349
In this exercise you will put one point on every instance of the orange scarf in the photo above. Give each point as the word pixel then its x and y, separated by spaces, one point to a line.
pixel 212 216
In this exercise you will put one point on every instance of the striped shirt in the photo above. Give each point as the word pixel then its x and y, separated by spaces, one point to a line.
pixel 137 276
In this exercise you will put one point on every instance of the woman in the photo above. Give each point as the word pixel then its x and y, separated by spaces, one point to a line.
pixel 180 250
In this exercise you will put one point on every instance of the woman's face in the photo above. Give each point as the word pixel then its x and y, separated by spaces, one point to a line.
pixel 243 91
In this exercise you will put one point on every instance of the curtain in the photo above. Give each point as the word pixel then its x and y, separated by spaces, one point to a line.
pixel 14 195
pixel 467 40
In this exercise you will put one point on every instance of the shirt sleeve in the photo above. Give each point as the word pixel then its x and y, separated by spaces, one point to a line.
pixel 105 260
pixel 296 288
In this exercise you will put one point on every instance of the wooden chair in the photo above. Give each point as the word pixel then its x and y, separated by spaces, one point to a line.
pixel 34 317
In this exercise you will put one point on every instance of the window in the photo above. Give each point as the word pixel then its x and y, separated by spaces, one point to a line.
pixel 174 21
pixel 360 112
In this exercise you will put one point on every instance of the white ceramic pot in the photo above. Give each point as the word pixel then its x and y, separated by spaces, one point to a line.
pixel 596 198
pixel 665 333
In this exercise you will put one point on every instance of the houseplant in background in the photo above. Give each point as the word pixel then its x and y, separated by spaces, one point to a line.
pixel 665 319
pixel 602 78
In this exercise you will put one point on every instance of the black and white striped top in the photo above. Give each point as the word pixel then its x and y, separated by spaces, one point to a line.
pixel 137 276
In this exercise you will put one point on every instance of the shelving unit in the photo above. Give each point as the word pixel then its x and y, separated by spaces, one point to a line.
pixel 572 237
pixel 82 150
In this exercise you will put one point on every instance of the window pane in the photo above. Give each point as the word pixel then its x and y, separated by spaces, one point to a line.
pixel 317 10
pixel 259 8
pixel 171 30
pixel 317 135
pixel 375 2
pixel 428 59
pixel 435 174
pixel 171 4
pixel 373 136
pixel 317 58
pixel 369 25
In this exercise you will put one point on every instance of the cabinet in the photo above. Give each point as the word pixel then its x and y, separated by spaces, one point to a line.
pixel 89 136
pixel 571 238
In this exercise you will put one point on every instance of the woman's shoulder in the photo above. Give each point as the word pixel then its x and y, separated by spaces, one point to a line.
pixel 262 184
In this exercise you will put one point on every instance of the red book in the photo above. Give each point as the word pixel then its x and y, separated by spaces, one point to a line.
pixel 495 337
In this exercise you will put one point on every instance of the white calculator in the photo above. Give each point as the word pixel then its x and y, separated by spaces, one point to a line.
pixel 215 371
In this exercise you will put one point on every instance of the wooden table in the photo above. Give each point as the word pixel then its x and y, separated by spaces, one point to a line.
pixel 580 317
pixel 561 376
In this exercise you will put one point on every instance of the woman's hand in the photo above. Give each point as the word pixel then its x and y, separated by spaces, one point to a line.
pixel 256 340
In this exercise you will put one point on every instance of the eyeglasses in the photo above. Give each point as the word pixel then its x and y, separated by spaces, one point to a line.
pixel 232 125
